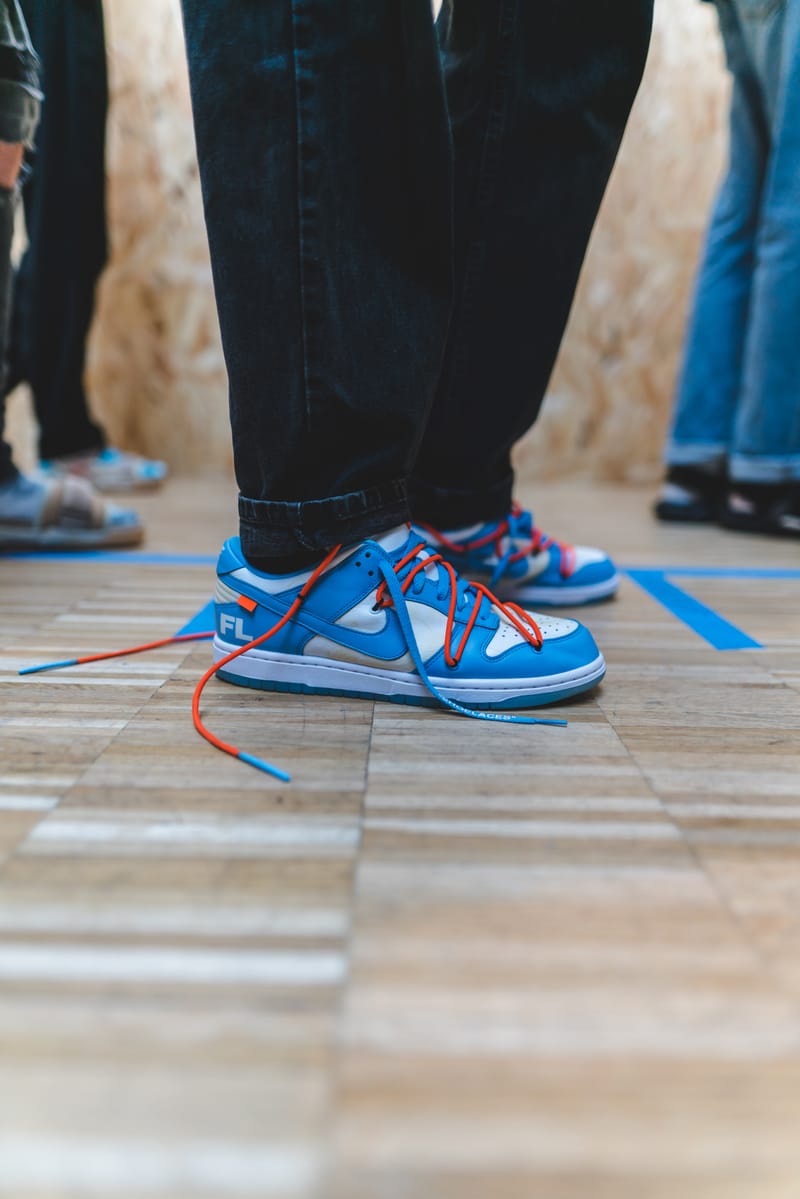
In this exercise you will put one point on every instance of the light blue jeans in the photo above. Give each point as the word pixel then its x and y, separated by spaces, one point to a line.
pixel 739 394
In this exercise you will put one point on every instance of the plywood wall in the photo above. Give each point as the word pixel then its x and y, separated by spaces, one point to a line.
pixel 156 370
pixel 156 373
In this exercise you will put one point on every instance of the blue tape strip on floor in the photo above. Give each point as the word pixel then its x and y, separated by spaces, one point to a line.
pixel 717 572
pixel 202 622
pixel 719 633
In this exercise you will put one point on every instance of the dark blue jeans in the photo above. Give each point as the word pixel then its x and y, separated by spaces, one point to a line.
pixel 737 403
pixel 397 218
pixel 66 222
pixel 19 113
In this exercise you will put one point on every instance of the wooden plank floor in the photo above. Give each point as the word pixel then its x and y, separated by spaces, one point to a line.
pixel 450 960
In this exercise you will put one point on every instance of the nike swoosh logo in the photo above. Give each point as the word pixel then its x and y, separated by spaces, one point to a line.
pixel 385 644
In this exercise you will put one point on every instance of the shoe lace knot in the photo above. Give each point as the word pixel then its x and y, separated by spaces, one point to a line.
pixel 414 571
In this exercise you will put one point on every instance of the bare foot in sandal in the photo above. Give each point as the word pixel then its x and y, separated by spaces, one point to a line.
pixel 62 514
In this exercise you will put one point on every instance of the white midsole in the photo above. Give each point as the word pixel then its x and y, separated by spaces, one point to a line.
pixel 327 673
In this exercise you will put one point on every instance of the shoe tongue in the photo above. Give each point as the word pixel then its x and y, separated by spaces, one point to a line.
pixel 399 542
pixel 520 522
pixel 523 523
pixel 467 533
pixel 395 539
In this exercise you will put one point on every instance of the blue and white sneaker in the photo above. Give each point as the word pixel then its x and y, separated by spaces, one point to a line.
pixel 389 619
pixel 522 565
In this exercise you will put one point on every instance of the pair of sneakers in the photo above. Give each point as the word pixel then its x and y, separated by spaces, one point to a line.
pixel 395 618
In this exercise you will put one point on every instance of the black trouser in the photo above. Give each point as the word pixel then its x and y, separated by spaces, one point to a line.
pixel 396 236
pixel 19 112
pixel 8 205
pixel 65 217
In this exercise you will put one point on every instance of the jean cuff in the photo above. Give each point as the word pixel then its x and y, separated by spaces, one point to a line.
pixel 764 468
pixel 710 454
pixel 450 508
pixel 274 529
pixel 19 112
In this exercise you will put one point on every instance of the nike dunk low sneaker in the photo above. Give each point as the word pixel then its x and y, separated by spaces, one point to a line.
pixel 391 619
pixel 523 565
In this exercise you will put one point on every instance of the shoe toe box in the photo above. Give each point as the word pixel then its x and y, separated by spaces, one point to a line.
pixel 566 645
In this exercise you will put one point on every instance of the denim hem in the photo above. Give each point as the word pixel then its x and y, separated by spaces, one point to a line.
pixel 274 528
pixel 19 112
pixel 752 468
pixel 449 508
pixel 710 453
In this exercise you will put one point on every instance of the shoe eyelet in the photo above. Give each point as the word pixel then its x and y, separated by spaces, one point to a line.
pixel 358 563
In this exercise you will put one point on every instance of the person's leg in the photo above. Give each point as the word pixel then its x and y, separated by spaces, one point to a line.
pixel 766 443
pixel 765 450
pixel 20 99
pixel 324 156
pixel 36 513
pixel 711 379
pixel 539 95
pixel 10 164
pixel 65 217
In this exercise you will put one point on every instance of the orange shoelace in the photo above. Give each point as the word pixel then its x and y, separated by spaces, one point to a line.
pixel 390 593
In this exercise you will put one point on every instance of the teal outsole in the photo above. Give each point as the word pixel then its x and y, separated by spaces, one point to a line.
pixel 413 701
